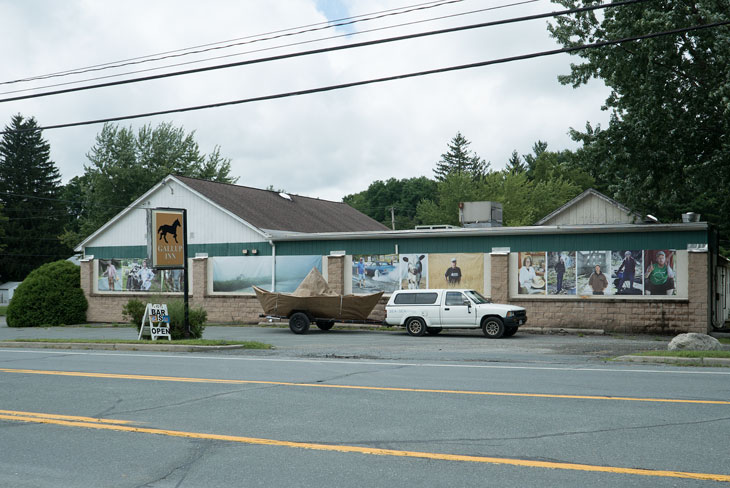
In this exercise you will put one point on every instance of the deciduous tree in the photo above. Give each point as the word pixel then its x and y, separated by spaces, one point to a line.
pixel 666 148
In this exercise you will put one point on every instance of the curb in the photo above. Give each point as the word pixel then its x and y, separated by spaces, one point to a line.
pixel 562 330
pixel 118 347
pixel 676 360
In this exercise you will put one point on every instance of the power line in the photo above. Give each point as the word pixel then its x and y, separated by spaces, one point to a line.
pixel 387 78
pixel 281 46
pixel 327 50
pixel 257 38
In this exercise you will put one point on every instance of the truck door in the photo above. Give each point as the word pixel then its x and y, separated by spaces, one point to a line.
pixel 457 311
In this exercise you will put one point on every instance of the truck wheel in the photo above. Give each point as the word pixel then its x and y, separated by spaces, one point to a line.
pixel 299 323
pixel 510 331
pixel 433 330
pixel 493 327
pixel 325 324
pixel 415 326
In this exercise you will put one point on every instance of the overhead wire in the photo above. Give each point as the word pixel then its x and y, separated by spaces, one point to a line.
pixel 328 49
pixel 257 38
pixel 386 78
pixel 281 46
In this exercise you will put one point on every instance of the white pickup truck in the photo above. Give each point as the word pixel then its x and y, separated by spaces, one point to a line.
pixel 430 311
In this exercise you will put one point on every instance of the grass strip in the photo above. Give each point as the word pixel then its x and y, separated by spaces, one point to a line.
pixel 686 354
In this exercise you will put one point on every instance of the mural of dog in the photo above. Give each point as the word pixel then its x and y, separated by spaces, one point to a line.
pixel 163 230
pixel 415 272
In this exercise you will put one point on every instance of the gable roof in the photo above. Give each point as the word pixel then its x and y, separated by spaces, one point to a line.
pixel 269 210
pixel 586 194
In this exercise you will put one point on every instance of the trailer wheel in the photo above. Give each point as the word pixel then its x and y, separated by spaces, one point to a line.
pixel 415 326
pixel 325 324
pixel 299 323
pixel 493 327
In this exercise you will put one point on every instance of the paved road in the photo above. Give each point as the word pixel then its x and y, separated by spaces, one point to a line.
pixel 359 408
pixel 462 345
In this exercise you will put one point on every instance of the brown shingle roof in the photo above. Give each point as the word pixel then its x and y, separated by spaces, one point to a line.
pixel 268 210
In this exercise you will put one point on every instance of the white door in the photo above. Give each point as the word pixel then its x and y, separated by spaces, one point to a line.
pixel 456 312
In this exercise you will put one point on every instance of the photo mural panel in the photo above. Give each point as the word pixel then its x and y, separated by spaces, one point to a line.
pixel 372 273
pixel 413 271
pixel 135 275
pixel 659 272
pixel 531 273
pixel 456 270
pixel 291 271
pixel 593 269
pixel 240 273
pixel 561 278
pixel 626 272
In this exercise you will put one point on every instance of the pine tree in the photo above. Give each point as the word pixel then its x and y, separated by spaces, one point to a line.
pixel 30 187
pixel 460 160
pixel 515 164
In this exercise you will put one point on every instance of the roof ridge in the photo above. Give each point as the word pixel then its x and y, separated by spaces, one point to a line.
pixel 254 188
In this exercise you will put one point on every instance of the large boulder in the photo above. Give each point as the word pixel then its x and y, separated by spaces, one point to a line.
pixel 694 342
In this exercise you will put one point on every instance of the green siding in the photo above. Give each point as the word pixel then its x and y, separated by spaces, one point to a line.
pixel 441 244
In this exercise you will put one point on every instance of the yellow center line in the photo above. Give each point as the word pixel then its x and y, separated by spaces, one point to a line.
pixel 356 387
pixel 65 417
pixel 52 419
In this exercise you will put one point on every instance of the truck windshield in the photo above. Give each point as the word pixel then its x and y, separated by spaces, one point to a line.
pixel 476 297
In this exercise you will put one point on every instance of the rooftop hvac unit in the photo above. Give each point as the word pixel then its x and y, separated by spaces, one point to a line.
pixel 480 214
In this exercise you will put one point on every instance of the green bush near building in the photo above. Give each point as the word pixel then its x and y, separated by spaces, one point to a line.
pixel 50 295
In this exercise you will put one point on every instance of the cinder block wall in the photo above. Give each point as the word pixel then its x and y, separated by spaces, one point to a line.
pixel 610 314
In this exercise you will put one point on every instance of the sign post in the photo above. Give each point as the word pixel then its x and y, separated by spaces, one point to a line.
pixel 167 246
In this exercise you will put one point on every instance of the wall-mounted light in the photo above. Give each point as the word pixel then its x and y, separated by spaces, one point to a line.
pixel 254 251
pixel 244 251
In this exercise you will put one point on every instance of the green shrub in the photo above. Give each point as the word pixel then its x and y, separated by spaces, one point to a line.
pixel 49 295
pixel 134 312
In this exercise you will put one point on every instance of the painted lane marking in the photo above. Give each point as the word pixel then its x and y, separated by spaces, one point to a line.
pixel 48 419
pixel 702 371
pixel 65 417
pixel 353 387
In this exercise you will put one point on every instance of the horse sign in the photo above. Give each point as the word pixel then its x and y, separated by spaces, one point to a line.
pixel 167 234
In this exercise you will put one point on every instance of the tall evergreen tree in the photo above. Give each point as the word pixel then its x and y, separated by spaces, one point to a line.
pixel 30 188
pixel 459 160
pixel 515 164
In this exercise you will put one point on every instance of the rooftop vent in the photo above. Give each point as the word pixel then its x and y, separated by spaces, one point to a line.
pixel 690 217
pixel 285 196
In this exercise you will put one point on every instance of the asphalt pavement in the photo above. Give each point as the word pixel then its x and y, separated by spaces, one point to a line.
pixel 370 343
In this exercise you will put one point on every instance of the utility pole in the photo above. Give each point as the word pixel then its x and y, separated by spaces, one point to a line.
pixel 392 218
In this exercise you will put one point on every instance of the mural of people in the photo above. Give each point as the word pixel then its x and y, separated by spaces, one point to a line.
pixel 659 275
pixel 561 273
pixel 627 276
pixel 591 267
pixel 453 275
pixel 372 273
pixel 598 281
pixel 531 275
pixel 459 270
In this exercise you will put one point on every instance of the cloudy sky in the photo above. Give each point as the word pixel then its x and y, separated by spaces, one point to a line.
pixel 324 145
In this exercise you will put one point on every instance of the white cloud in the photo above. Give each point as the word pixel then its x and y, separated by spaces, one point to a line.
pixel 325 145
